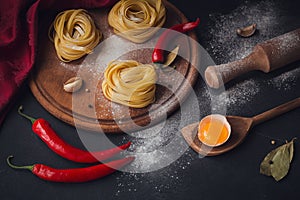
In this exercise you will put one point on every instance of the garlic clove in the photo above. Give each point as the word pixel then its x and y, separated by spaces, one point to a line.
pixel 246 31
pixel 73 84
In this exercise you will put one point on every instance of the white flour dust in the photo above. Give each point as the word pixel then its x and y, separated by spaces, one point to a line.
pixel 223 44
pixel 166 180
pixel 285 81
pixel 233 98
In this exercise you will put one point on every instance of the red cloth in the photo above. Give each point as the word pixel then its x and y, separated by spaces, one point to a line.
pixel 18 35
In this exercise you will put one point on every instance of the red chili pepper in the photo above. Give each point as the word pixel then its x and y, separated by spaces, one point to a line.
pixel 166 36
pixel 44 130
pixel 75 175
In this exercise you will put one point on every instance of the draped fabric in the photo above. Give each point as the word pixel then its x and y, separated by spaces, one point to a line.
pixel 18 36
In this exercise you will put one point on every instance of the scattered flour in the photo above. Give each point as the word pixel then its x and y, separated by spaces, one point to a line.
pixel 234 97
pixel 286 80
pixel 222 43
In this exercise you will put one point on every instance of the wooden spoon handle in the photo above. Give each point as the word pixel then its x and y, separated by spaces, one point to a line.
pixel 279 110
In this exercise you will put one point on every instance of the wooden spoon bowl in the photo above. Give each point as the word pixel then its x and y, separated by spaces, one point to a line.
pixel 240 127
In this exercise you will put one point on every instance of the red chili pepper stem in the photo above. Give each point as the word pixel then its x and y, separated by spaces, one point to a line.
pixel 26 116
pixel 29 167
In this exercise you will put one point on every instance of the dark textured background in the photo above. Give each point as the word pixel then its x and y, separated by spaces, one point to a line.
pixel 234 175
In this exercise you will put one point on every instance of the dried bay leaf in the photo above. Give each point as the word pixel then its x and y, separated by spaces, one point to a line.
pixel 265 165
pixel 281 163
pixel 277 162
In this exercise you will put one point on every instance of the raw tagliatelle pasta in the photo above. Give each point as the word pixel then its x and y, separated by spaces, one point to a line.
pixel 130 83
pixel 135 19
pixel 74 34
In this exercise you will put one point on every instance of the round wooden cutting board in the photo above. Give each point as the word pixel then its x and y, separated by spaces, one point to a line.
pixel 88 109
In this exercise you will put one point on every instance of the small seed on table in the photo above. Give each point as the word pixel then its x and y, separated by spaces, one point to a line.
pixel 273 142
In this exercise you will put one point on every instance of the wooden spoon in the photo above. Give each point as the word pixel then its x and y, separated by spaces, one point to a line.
pixel 240 127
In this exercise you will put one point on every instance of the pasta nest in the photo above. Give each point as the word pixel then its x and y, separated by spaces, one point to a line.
pixel 130 83
pixel 135 19
pixel 74 34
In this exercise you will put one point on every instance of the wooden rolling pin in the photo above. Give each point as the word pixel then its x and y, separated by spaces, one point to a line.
pixel 266 56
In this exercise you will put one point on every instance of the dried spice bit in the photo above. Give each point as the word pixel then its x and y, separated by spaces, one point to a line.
pixel 246 31
pixel 171 56
pixel 273 142
pixel 277 162
pixel 166 67
pixel 73 84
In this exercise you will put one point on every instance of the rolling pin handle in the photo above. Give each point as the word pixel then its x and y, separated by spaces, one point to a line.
pixel 218 75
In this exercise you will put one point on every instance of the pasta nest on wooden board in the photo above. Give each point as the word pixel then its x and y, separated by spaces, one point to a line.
pixel 136 20
pixel 130 83
pixel 74 34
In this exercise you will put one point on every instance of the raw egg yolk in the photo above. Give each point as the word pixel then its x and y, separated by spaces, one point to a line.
pixel 213 130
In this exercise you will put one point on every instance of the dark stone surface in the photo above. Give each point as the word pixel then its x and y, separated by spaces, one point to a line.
pixel 234 175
